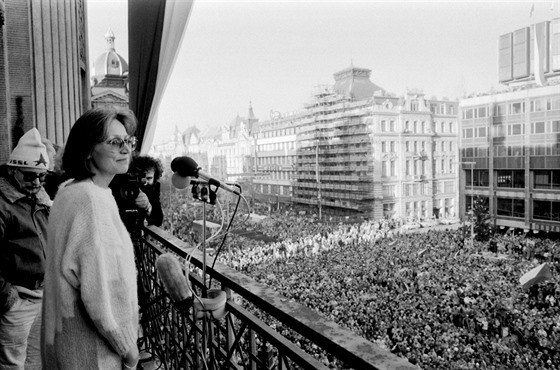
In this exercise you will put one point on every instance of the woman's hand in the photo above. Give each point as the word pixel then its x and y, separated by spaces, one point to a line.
pixel 130 360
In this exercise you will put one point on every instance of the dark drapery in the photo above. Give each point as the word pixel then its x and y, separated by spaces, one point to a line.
pixel 145 25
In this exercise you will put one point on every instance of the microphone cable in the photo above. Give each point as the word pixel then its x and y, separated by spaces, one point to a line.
pixel 225 235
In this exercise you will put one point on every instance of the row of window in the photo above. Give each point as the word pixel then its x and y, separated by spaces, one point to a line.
pixel 440 108
pixel 290 145
pixel 276 133
pixel 280 160
pixel 417 146
pixel 439 187
pixel 533 150
pixel 512 151
pixel 273 189
pixel 546 210
pixel 418 127
pixel 542 179
pixel 418 167
pixel 514 129
pixel 517 107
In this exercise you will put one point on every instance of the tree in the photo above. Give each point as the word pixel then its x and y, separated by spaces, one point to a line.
pixel 480 216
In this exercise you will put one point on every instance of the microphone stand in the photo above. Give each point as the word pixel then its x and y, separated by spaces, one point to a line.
pixel 204 247
pixel 203 192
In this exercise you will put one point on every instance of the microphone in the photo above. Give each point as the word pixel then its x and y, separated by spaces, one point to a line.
pixel 185 167
pixel 177 286
pixel 174 281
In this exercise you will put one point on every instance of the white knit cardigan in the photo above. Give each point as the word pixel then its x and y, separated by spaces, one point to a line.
pixel 90 305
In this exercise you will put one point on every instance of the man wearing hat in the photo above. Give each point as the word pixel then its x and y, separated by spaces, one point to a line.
pixel 24 210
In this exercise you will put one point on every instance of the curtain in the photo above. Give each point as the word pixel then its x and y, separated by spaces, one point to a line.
pixel 155 32
pixel 145 26
pixel 177 14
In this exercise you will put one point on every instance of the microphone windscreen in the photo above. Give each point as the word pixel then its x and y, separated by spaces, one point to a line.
pixel 184 166
pixel 180 182
pixel 171 275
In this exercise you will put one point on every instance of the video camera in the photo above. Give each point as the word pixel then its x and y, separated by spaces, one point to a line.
pixel 126 188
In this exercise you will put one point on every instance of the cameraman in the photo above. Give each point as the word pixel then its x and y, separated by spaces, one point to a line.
pixel 138 193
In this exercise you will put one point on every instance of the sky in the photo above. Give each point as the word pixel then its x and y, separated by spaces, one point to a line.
pixel 273 54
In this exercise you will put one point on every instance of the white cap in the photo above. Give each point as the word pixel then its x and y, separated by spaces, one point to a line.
pixel 30 152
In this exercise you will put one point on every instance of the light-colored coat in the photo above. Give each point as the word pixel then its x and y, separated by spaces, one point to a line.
pixel 90 305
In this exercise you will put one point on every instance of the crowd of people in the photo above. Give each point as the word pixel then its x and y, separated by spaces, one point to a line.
pixel 432 297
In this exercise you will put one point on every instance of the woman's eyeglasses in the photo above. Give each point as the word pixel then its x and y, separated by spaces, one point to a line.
pixel 31 176
pixel 117 143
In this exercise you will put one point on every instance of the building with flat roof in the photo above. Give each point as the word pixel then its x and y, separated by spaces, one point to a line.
pixel 510 140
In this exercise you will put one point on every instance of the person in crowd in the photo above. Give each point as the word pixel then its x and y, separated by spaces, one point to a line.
pixel 90 308
pixel 138 193
pixel 24 211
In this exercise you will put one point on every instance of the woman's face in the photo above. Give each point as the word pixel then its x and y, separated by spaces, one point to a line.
pixel 109 159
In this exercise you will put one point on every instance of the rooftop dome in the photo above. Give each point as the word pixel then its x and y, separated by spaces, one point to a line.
pixel 110 62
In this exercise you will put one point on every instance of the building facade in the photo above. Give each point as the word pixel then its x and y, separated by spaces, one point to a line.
pixel 43 69
pixel 356 149
pixel 275 158
pixel 511 140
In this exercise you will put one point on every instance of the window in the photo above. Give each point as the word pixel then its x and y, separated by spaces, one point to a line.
pixel 448 186
pixel 538 150
pixel 537 127
pixel 500 110
pixel 384 168
pixel 499 130
pixel 393 171
pixel 392 146
pixel 383 146
pixel 500 151
pixel 392 126
pixel 389 190
pixel 555 126
pixel 408 169
pixel 516 108
pixel 515 129
pixel 511 207
pixel 546 179
pixel 469 113
pixel 537 106
pixel 546 210
pixel 383 126
pixel 511 179
pixel 481 112
pixel 468 133
pixel 482 132
pixel 451 127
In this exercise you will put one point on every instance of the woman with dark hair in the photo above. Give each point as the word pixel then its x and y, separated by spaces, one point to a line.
pixel 90 307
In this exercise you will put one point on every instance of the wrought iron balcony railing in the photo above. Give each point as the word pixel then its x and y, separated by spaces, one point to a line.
pixel 245 338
